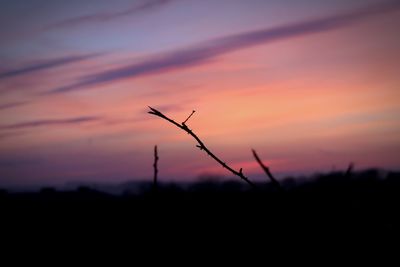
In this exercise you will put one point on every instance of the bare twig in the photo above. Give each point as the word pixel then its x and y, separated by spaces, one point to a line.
pixel 155 168
pixel 201 145
pixel 267 172
pixel 191 114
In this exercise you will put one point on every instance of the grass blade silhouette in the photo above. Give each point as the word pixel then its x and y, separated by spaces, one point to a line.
pixel 201 145
pixel 349 170
pixel 155 181
pixel 268 172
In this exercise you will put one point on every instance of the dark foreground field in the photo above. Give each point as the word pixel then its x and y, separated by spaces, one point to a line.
pixel 365 203
pixel 335 208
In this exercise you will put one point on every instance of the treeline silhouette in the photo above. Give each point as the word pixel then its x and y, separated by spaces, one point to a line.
pixel 365 202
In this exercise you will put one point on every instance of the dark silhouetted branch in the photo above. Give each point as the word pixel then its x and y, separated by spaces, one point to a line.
pixel 155 168
pixel 201 145
pixel 268 172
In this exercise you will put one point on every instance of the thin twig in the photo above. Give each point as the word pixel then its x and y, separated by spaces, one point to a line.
pixel 191 114
pixel 155 168
pixel 201 145
pixel 267 172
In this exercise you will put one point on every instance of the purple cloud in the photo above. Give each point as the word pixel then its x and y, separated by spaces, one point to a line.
pixel 50 122
pixel 10 134
pixel 45 64
pixel 107 16
pixel 203 52
pixel 18 161
pixel 12 105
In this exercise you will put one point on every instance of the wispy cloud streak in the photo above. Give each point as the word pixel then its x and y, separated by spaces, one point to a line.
pixel 108 16
pixel 12 105
pixel 51 122
pixel 206 51
pixel 10 134
pixel 45 64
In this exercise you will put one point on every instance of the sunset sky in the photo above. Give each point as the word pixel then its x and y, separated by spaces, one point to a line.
pixel 311 85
